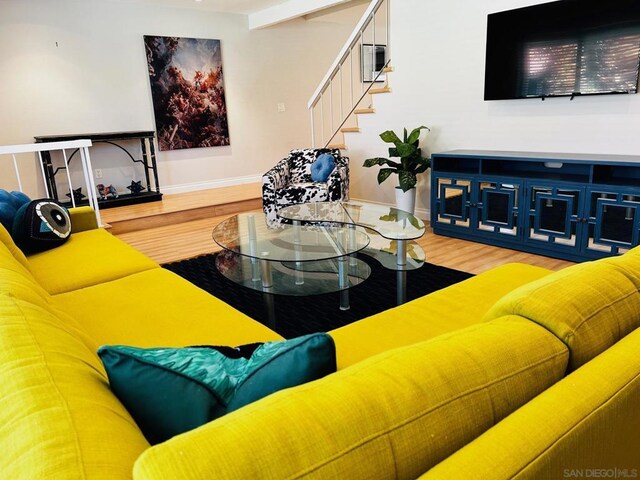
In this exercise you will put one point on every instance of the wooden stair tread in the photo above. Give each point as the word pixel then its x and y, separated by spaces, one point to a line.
pixel 385 89
pixel 350 129
pixel 340 146
pixel 364 111
pixel 388 69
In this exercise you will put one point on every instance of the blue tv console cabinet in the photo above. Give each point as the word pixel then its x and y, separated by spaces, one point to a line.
pixel 571 206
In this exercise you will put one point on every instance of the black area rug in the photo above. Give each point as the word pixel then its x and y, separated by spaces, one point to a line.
pixel 295 316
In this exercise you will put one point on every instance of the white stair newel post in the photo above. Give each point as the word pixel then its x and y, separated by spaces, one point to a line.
pixel 373 48
pixel 322 116
pixel 313 132
pixel 15 166
pixel 44 177
pixel 88 175
pixel 66 167
pixel 361 62
pixel 331 103
pixel 388 35
pixel 351 73
pixel 341 84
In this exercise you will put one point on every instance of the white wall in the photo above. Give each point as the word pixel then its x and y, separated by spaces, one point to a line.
pixel 72 66
pixel 438 50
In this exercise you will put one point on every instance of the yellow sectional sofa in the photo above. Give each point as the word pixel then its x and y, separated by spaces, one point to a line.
pixel 515 373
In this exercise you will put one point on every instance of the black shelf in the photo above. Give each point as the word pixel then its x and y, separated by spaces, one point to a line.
pixel 121 201
pixel 97 137
pixel 148 162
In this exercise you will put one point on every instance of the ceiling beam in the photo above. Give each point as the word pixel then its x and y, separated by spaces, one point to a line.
pixel 288 11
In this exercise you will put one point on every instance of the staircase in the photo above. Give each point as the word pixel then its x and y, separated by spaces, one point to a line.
pixel 359 72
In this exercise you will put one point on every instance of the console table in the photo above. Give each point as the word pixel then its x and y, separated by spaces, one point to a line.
pixel 148 162
pixel 571 206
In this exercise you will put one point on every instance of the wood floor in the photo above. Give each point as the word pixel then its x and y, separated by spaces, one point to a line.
pixel 185 239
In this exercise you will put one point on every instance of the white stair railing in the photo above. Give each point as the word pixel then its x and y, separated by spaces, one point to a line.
pixel 11 151
pixel 342 105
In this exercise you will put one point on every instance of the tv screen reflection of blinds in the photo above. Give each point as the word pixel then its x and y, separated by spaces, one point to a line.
pixel 563 48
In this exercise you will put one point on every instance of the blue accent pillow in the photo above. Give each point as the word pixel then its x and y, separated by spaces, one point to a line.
pixel 41 225
pixel 10 202
pixel 169 391
pixel 322 167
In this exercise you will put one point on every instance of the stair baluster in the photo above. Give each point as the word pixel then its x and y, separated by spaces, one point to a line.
pixel 336 74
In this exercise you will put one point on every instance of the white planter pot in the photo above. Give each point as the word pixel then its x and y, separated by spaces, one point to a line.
pixel 406 200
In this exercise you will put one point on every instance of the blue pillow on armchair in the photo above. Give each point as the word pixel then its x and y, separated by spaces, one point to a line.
pixel 322 167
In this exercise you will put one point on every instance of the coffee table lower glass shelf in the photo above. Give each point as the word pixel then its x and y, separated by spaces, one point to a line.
pixel 392 232
pixel 292 278
pixel 290 259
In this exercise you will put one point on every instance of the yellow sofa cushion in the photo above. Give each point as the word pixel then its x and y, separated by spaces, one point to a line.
pixel 588 421
pixel 15 253
pixel 58 416
pixel 86 259
pixel 391 416
pixel 443 311
pixel 157 308
pixel 589 306
pixel 17 285
pixel 17 281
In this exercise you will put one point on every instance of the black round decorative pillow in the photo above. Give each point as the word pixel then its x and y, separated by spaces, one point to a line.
pixel 41 225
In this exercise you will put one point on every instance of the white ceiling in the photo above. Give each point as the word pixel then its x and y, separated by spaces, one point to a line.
pixel 229 6
pixel 238 6
pixel 261 13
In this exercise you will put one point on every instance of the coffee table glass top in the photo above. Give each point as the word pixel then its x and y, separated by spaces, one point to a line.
pixel 388 222
pixel 250 235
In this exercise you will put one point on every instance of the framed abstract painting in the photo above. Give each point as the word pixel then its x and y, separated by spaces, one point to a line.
pixel 187 90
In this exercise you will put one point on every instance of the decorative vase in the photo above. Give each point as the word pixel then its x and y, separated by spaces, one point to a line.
pixel 406 200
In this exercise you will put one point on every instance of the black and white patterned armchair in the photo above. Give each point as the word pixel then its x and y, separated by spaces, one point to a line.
pixel 289 182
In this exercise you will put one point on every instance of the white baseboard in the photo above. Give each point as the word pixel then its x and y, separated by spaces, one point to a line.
pixel 422 213
pixel 226 182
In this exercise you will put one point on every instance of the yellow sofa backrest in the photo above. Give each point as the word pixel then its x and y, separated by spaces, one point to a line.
pixel 393 415
pixel 11 255
pixel 59 418
pixel 589 306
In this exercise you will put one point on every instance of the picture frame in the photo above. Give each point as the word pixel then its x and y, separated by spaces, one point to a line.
pixel 188 93
pixel 369 71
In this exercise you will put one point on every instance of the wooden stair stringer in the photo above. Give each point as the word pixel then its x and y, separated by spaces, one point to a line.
pixel 363 111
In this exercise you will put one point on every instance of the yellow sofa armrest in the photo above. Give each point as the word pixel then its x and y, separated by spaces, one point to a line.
pixel 82 219
pixel 586 422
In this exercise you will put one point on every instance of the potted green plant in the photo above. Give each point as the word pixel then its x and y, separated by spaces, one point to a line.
pixel 410 165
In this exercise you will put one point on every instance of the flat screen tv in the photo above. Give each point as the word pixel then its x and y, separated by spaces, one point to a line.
pixel 564 48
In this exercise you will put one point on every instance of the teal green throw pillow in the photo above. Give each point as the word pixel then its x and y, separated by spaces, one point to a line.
pixel 169 391
pixel 322 167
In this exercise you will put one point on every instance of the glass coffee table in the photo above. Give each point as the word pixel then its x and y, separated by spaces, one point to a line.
pixel 290 259
pixel 398 227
